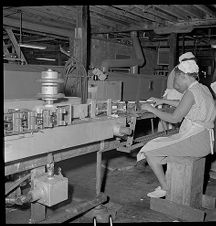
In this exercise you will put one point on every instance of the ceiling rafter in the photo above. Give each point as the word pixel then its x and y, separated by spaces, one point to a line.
pixel 32 32
pixel 109 12
pixel 95 24
pixel 206 10
pixel 39 19
pixel 36 27
pixel 105 20
pixel 172 10
pixel 139 12
pixel 158 14
pixel 43 17
pixel 112 18
pixel 47 11
pixel 122 13
pixel 190 10
pixel 107 15
pixel 94 21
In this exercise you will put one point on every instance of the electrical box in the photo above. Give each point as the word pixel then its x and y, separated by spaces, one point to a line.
pixel 53 190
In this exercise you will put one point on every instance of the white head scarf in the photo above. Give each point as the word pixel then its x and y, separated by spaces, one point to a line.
pixel 189 66
pixel 185 56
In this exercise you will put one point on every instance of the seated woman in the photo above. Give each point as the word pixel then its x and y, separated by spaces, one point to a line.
pixel 171 93
pixel 195 136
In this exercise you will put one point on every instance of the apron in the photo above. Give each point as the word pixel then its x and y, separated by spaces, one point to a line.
pixel 187 129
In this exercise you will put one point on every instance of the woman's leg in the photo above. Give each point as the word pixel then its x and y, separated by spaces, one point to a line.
pixel 157 169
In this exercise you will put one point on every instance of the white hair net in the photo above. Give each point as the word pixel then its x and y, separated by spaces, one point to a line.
pixel 189 66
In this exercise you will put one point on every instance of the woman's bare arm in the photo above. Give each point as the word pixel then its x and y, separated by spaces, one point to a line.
pixel 159 101
pixel 179 113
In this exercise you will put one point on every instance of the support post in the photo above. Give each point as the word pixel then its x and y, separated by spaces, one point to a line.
pixel 71 43
pixel 80 49
pixel 172 52
pixel 98 169
pixel 38 211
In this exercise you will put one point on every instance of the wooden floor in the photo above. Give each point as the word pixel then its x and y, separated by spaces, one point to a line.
pixel 124 183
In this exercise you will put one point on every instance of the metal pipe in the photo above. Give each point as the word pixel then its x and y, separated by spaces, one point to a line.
pixel 134 63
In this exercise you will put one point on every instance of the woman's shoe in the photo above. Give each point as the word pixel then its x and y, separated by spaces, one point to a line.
pixel 157 193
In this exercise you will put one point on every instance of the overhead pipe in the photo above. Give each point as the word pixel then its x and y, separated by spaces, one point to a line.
pixel 132 63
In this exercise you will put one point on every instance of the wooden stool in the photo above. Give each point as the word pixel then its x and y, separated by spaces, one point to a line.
pixel 185 179
pixel 184 199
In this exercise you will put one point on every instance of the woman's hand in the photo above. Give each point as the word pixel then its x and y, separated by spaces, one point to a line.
pixel 156 101
pixel 147 107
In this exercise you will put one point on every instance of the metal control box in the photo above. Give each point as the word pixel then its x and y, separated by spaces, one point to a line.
pixel 53 190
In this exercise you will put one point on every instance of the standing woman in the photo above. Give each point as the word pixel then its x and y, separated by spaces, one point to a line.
pixel 195 137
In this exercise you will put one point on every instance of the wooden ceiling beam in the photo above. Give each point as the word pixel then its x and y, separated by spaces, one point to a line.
pixel 181 27
pixel 109 20
pixel 170 9
pixel 153 11
pixel 122 13
pixel 139 12
pixel 95 24
pixel 45 12
pixel 40 15
pixel 38 33
pixel 104 20
pixel 36 19
pixel 62 12
pixel 94 21
pixel 153 44
pixel 110 14
pixel 37 27
pixel 39 39
pixel 192 11
pixel 206 10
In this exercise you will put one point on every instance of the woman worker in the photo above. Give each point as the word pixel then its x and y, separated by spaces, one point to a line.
pixel 195 136
pixel 171 93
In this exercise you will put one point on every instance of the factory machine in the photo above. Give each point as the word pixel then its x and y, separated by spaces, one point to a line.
pixel 39 133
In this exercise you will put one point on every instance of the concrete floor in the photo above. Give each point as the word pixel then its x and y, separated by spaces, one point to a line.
pixel 124 183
